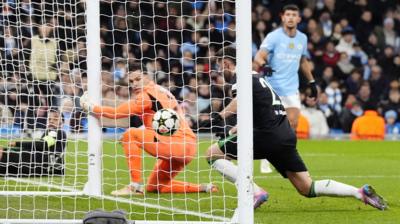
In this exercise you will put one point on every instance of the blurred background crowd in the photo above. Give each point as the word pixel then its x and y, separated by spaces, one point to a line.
pixel 354 47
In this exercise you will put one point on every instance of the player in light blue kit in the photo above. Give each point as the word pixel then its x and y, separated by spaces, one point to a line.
pixel 282 53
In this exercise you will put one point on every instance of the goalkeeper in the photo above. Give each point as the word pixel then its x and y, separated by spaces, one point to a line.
pixel 173 152
pixel 41 157
pixel 274 140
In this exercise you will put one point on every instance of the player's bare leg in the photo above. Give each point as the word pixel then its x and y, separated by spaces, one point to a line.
pixel 293 114
pixel 222 163
pixel 308 188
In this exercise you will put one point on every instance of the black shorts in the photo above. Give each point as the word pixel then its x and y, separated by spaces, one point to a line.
pixel 24 164
pixel 277 147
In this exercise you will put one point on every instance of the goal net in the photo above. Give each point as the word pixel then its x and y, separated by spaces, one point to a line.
pixel 48 170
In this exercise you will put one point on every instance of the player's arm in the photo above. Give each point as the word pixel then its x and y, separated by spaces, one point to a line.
pixel 260 59
pixel 133 107
pixel 306 69
pixel 229 110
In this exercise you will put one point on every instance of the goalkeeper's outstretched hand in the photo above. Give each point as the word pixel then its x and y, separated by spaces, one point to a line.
pixel 85 102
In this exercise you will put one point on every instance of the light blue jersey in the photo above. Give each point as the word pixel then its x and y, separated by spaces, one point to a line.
pixel 284 54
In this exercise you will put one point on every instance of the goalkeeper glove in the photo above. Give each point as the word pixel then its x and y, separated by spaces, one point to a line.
pixel 314 89
pixel 85 102
pixel 267 70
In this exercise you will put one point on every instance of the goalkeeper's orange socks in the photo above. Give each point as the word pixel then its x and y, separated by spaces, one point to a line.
pixel 134 156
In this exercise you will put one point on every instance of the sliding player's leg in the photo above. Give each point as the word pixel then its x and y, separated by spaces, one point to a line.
pixel 219 156
pixel 289 164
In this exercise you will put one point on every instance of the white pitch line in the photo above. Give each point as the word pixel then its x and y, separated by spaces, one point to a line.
pixel 128 201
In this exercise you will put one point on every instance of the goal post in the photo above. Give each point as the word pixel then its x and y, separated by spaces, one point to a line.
pixel 56 50
pixel 94 185
pixel 245 111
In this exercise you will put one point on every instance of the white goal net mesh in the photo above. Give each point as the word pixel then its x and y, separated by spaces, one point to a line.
pixel 44 153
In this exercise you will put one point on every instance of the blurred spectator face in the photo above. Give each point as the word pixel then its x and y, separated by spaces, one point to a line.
pixel 312 26
pixel 372 39
pixel 266 15
pixel 260 27
pixel 307 13
pixel 394 96
pixel 348 37
pixel 187 55
pixel 337 29
pixel 344 23
pixel 394 84
pixel 325 17
pixel 356 76
pixel 310 102
pixel 327 73
pixel 396 61
pixel 323 99
pixel 204 91
pixel 330 47
pixel 388 24
pixel 366 16
pixel 290 19
pixel 344 56
pixel 364 92
pixel 45 30
pixel 372 62
pixel 388 51
pixel 334 84
pixel 375 72
pixel 315 37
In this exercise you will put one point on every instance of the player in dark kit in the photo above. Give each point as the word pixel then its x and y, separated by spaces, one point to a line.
pixel 41 157
pixel 274 140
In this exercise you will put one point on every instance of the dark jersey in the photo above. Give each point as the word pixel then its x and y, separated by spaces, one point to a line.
pixel 268 111
pixel 35 158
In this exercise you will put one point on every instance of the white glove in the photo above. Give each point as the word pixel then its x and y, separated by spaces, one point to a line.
pixel 86 103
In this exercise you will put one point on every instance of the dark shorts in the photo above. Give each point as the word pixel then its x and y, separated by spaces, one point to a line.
pixel 25 164
pixel 278 148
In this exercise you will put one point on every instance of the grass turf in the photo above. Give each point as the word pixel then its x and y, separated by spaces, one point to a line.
pixel 355 163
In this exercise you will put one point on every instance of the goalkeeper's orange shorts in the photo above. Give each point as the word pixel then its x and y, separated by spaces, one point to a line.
pixel 173 154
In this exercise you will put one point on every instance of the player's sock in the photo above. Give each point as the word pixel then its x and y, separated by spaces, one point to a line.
pixel 229 171
pixel 176 186
pixel 134 157
pixel 333 188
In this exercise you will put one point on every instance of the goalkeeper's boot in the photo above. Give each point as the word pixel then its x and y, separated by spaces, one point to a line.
pixel 260 198
pixel 208 188
pixel 369 196
pixel 131 189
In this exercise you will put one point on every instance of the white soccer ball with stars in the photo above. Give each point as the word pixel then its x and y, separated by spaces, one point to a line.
pixel 165 122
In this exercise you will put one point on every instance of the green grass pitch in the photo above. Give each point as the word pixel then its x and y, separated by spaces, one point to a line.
pixel 355 163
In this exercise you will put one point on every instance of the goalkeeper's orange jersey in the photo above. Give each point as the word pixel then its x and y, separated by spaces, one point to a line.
pixel 152 98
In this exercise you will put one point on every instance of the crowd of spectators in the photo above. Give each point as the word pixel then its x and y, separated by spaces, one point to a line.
pixel 353 47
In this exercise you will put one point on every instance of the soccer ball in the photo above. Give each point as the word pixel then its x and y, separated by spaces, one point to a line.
pixel 165 122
